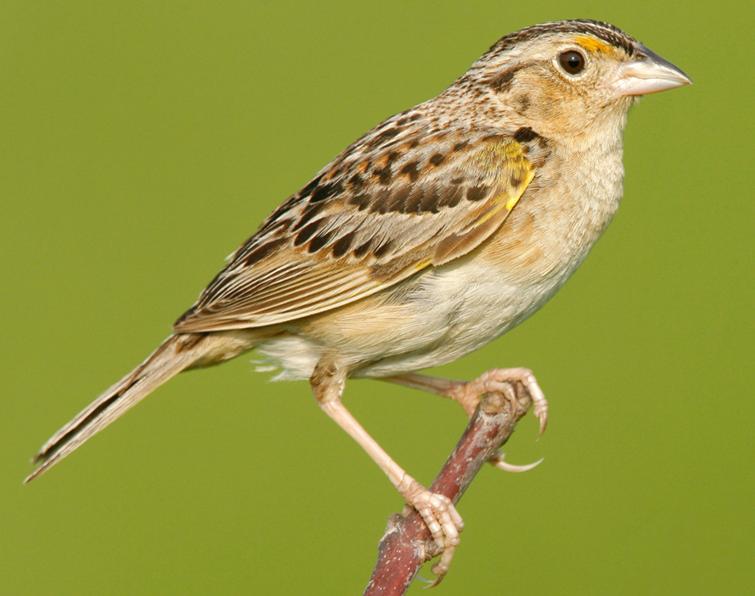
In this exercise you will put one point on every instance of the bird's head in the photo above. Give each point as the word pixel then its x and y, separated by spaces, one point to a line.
pixel 567 77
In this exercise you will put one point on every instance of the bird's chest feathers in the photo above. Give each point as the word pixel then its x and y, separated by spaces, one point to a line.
pixel 567 206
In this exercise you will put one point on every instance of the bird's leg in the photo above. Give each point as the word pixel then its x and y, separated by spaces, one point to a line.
pixel 469 393
pixel 443 387
pixel 438 512
pixel 506 381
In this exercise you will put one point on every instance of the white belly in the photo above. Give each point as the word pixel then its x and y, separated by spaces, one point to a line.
pixel 451 311
pixel 475 308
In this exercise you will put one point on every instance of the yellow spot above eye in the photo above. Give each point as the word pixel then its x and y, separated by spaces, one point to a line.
pixel 592 45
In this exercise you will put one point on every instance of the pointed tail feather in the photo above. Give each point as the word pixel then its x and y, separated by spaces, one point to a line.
pixel 175 354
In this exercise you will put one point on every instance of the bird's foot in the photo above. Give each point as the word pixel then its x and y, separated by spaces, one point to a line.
pixel 504 381
pixel 443 521
pixel 509 383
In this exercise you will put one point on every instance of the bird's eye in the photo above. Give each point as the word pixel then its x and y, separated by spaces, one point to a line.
pixel 572 62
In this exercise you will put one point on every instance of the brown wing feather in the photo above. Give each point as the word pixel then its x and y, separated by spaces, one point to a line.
pixel 378 214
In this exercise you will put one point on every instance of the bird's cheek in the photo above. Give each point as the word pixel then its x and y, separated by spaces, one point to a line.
pixel 541 106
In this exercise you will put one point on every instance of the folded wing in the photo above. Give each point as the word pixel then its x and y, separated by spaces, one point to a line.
pixel 369 220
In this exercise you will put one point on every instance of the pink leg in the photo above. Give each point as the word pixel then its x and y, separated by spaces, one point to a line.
pixel 437 511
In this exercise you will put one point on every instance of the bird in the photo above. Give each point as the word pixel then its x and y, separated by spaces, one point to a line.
pixel 434 233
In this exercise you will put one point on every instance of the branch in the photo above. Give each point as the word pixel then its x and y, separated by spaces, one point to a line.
pixel 407 543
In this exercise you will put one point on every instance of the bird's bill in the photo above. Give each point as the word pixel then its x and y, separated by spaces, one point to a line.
pixel 649 73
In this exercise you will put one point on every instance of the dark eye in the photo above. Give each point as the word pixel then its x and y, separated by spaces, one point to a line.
pixel 572 62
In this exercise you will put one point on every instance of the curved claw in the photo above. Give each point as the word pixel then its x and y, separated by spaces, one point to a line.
pixel 499 462
pixel 541 413
pixel 429 583
pixel 438 578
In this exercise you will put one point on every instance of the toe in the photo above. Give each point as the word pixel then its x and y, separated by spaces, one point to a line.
pixel 444 523
pixel 541 412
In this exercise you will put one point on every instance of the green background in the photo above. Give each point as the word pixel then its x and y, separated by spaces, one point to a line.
pixel 141 142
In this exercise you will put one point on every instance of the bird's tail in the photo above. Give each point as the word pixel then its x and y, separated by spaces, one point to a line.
pixel 175 354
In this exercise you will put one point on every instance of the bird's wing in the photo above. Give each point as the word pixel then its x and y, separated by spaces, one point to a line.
pixel 370 219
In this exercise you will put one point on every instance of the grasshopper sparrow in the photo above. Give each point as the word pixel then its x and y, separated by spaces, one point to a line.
pixel 434 233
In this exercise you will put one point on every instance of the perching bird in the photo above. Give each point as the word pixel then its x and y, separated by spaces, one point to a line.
pixel 431 235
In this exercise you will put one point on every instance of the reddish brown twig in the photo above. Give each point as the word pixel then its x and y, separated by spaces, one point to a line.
pixel 406 544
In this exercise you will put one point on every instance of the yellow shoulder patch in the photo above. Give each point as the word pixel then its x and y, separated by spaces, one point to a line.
pixel 514 171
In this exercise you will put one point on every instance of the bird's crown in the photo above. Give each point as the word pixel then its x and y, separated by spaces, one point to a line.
pixel 606 32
